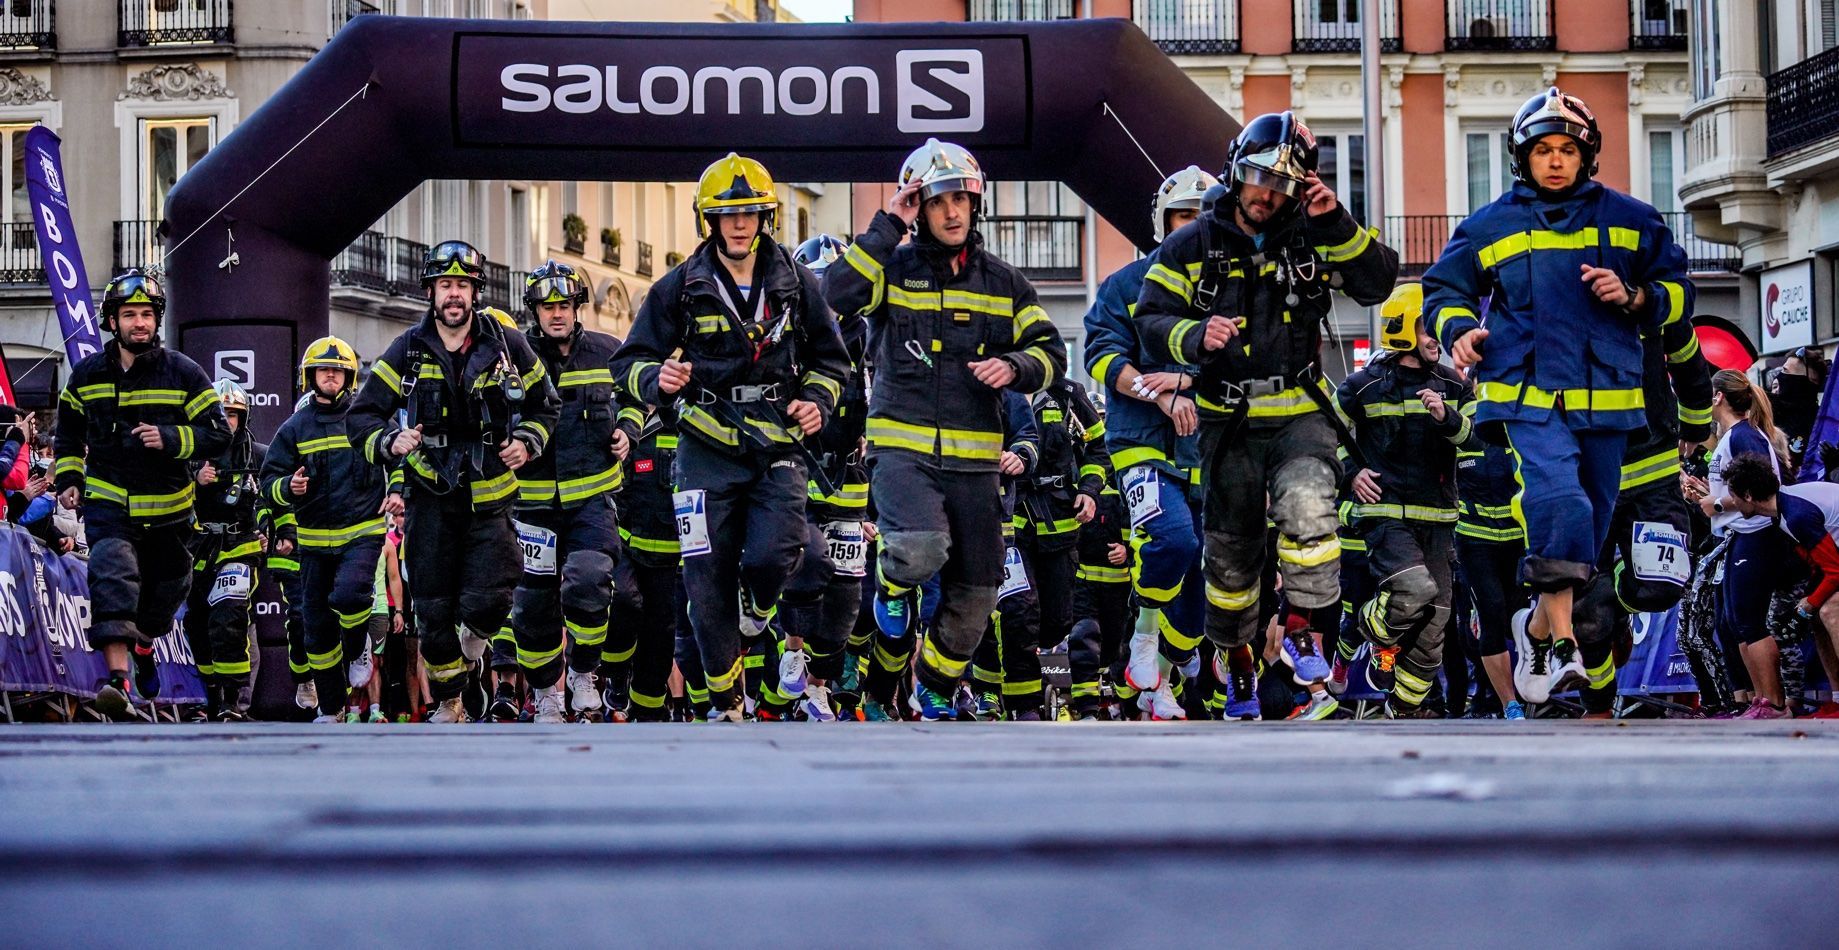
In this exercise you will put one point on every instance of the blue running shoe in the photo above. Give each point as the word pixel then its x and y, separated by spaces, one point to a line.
pixel 897 616
pixel 1515 710
pixel 873 711
pixel 1304 660
pixel 931 706
pixel 1242 696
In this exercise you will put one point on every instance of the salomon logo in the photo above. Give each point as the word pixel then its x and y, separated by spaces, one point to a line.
pixel 941 90
pixel 673 90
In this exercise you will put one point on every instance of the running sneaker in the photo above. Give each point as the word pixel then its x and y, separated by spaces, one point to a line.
pixel 850 681
pixel 472 645
pixel 897 617
pixel 1763 709
pixel 232 714
pixel 1515 710
pixel 1567 669
pixel 1337 676
pixel 551 706
pixel 1301 656
pixel 146 672
pixel 794 672
pixel 450 711
pixel 328 717
pixel 1026 715
pixel 584 695
pixel 1381 669
pixel 112 697
pixel 1397 710
pixel 1144 671
pixel 1190 667
pixel 874 711
pixel 754 621
pixel 376 716
pixel 306 695
pixel 1826 710
pixel 505 706
pixel 1532 673
pixel 816 705
pixel 1241 690
pixel 931 706
pixel 1160 704
pixel 616 693
pixel 357 672
pixel 1321 706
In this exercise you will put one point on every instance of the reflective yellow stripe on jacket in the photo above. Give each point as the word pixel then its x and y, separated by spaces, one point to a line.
pixel 947 443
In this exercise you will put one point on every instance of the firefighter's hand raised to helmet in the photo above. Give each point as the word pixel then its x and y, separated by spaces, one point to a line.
pixel 994 372
pixel 1318 198
pixel 905 204
pixel 673 375
pixel 806 414
pixel 1218 332
pixel 405 442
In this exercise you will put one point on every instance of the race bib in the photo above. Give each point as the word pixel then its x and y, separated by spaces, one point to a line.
pixel 1659 553
pixel 1143 493
pixel 539 546
pixel 692 522
pixel 1015 575
pixel 846 547
pixel 234 581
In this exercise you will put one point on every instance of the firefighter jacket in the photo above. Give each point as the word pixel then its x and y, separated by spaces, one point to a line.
pixel 1279 284
pixel 750 353
pixel 96 416
pixel 647 517
pixel 926 325
pixel 1136 432
pixel 1413 454
pixel 1551 342
pixel 345 490
pixel 1676 387
pixel 468 403
pixel 578 464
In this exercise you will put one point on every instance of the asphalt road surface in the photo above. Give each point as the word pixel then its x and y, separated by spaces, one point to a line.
pixel 1567 834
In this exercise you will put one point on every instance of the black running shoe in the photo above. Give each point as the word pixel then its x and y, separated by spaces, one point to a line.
pixel 146 672
pixel 113 699
pixel 505 706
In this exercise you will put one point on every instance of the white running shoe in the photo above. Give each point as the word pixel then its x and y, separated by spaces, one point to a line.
pixel 472 645
pixel 1320 707
pixel 306 695
pixel 1144 670
pixel 1162 705
pixel 1532 675
pixel 450 710
pixel 584 692
pixel 357 672
pixel 328 717
pixel 793 675
pixel 1567 668
pixel 754 624
pixel 550 708
pixel 816 705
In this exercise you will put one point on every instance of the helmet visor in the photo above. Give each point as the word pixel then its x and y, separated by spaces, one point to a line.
pixel 552 290
pixel 1252 174
pixel 944 186
pixel 456 258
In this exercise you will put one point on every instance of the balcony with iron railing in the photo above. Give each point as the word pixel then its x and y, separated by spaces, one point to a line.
pixel 1333 26
pixel 156 23
pixel 1803 104
pixel 20 264
pixel 138 244
pixel 390 267
pixel 642 266
pixel 982 10
pixel 1045 247
pixel 344 11
pixel 1419 240
pixel 28 26
pixel 1190 27
pixel 1658 24
pixel 1500 25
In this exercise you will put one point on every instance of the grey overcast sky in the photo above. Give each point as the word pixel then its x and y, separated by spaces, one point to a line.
pixel 819 11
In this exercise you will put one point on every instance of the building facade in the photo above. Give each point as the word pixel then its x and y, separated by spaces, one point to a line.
pixel 1455 72
pixel 1762 159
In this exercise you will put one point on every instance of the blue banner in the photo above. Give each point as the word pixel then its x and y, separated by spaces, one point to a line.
pixel 57 244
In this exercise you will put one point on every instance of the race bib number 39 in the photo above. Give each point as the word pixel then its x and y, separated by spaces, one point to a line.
pixel 539 547
pixel 1143 494
pixel 846 547
pixel 692 522
pixel 1015 574
pixel 1659 553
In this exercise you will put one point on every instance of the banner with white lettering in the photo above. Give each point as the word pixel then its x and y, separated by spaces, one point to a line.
pixel 44 611
pixel 57 244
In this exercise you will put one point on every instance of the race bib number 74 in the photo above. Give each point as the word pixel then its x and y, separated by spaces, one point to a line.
pixel 1659 553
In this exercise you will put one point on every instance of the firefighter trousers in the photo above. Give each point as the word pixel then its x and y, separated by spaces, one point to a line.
pixel 1286 474
pixel 220 607
pixel 567 584
pixel 339 585
pixel 139 574
pixel 460 572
